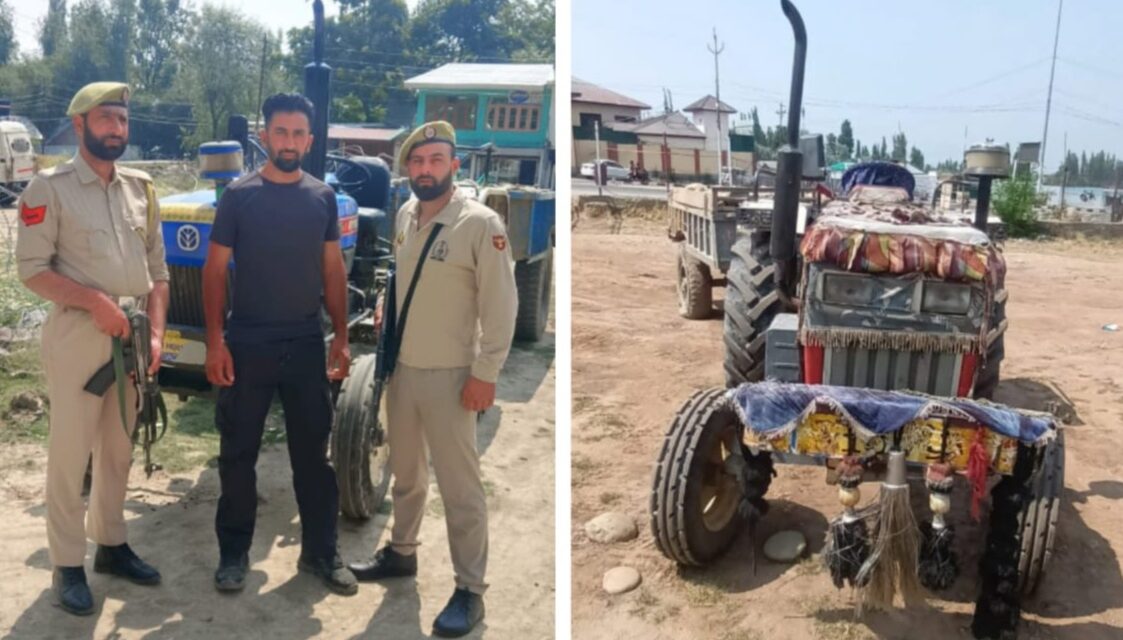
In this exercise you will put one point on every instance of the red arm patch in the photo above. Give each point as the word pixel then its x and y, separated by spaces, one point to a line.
pixel 32 216
pixel 499 242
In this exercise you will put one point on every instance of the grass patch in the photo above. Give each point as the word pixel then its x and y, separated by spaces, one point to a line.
pixel 842 630
pixel 21 372
pixel 809 565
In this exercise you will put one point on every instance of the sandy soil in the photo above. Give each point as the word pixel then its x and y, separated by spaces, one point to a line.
pixel 171 524
pixel 636 361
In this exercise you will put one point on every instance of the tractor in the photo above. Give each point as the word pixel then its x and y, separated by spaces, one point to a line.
pixel 868 342
pixel 368 199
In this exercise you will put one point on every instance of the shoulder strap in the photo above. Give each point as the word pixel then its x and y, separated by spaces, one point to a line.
pixel 401 320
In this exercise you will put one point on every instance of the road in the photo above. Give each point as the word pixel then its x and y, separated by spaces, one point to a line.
pixel 586 187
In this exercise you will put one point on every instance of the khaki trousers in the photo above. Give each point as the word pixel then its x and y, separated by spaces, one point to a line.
pixel 424 412
pixel 80 422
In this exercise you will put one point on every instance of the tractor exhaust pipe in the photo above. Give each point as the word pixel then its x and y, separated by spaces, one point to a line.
pixel 317 86
pixel 789 169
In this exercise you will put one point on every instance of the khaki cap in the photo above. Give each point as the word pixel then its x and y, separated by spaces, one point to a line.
pixel 436 131
pixel 97 93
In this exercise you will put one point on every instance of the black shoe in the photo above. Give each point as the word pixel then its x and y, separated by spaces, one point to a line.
pixel 462 613
pixel 121 561
pixel 71 590
pixel 337 577
pixel 386 563
pixel 231 573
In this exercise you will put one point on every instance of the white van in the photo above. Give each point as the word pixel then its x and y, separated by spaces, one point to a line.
pixel 17 159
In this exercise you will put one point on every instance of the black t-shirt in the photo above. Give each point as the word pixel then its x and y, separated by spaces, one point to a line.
pixel 278 233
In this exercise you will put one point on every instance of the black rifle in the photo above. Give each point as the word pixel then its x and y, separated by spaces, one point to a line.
pixel 132 358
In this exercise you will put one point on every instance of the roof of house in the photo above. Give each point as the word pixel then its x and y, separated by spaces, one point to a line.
pixel 461 75
pixel 671 124
pixel 363 134
pixel 590 93
pixel 708 103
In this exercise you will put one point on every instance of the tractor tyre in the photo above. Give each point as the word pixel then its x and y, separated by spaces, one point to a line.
pixel 696 493
pixel 358 445
pixel 695 287
pixel 989 373
pixel 533 282
pixel 1020 538
pixel 751 302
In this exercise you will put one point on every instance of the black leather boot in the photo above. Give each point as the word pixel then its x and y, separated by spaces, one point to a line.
pixel 121 561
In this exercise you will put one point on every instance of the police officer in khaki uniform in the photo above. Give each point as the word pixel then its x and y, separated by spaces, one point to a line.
pixel 89 241
pixel 455 339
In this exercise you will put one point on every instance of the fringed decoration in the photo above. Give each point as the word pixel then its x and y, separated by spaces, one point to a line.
pixel 978 466
pixel 938 564
pixel 891 567
pixel 839 338
pixel 848 544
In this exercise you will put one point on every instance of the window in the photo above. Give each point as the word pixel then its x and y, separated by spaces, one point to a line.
pixel 503 116
pixel 459 111
pixel 21 145
pixel 587 120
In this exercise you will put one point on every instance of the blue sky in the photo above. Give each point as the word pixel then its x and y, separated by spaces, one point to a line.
pixel 931 68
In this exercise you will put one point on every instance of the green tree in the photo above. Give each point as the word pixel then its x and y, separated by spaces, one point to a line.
pixel 365 46
pixel 846 139
pixel 900 147
pixel 224 39
pixel 883 154
pixel 162 25
pixel 122 36
pixel 459 31
pixel 8 44
pixel 53 36
pixel 758 131
pixel 916 158
pixel 86 56
pixel 1014 201
pixel 529 26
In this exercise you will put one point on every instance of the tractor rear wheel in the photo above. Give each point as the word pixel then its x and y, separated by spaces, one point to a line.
pixel 695 494
pixel 1020 537
pixel 751 302
pixel 358 446
pixel 533 282
pixel 695 287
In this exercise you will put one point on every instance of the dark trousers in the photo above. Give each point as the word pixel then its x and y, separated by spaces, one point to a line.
pixel 297 370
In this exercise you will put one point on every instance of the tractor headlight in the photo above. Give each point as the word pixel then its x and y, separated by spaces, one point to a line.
pixel 946 297
pixel 850 291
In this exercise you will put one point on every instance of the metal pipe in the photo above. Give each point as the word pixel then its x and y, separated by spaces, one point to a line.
pixel 982 203
pixel 795 104
pixel 317 87
pixel 789 170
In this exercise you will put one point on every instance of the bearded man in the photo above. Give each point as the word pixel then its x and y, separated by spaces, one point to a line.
pixel 281 227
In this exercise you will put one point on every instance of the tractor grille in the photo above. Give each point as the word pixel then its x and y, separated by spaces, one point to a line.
pixel 933 373
pixel 186 304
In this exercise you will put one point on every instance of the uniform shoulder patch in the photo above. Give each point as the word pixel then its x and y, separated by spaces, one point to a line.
pixel 134 173
pixel 499 242
pixel 31 216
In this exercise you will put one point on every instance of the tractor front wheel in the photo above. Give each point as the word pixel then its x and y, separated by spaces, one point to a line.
pixel 358 446
pixel 697 490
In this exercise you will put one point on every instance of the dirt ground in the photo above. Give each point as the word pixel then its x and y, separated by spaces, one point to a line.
pixel 636 361
pixel 171 520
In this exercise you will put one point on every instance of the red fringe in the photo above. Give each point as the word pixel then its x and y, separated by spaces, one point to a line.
pixel 978 466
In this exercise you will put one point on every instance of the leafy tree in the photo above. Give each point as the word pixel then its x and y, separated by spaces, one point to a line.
pixel 916 158
pixel 162 25
pixel 846 139
pixel 459 30
pixel 1014 202
pixel 900 147
pixel 53 36
pixel 529 26
pixel 8 43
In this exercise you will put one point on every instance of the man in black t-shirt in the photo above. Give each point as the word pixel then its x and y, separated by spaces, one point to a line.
pixel 281 227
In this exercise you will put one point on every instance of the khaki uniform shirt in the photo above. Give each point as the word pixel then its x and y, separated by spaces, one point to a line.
pixel 463 310
pixel 98 235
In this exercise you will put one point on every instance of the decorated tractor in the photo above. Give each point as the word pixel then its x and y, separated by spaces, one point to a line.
pixel 869 345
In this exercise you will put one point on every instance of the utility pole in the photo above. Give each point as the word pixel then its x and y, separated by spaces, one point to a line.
pixel 1049 98
pixel 261 81
pixel 597 167
pixel 670 161
pixel 781 111
pixel 716 50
